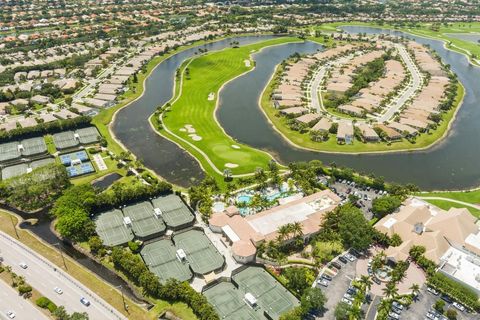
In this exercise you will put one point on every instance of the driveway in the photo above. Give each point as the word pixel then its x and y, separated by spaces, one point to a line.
pixel 45 276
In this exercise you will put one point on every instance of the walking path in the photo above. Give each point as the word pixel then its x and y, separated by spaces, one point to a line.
pixel 471 205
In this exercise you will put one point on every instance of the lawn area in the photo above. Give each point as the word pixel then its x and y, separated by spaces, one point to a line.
pixel 444 204
pixel 303 139
pixel 465 196
pixel 50 144
pixel 104 290
pixel 191 109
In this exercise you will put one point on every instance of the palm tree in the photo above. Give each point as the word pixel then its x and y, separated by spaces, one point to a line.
pixel 383 309
pixel 355 312
pixel 415 290
pixel 390 290
pixel 297 229
pixel 366 282
pixel 227 174
pixel 283 232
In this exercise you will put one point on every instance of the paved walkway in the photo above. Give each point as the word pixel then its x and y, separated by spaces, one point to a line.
pixel 471 205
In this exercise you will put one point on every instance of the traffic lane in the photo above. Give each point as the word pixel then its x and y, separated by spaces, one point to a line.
pixel 44 278
pixel 10 300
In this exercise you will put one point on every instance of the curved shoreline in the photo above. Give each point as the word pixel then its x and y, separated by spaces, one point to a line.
pixel 175 98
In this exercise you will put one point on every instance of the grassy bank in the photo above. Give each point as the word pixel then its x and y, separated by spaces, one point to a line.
pixel 444 204
pixel 191 108
pixel 90 280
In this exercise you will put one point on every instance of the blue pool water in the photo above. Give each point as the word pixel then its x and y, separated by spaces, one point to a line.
pixel 244 198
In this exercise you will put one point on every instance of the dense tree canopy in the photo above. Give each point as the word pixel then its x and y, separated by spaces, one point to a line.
pixel 385 205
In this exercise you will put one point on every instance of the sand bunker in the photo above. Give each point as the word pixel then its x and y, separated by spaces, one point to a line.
pixel 190 128
pixel 211 96
pixel 247 63
pixel 195 137
pixel 183 130
pixel 234 146
pixel 231 165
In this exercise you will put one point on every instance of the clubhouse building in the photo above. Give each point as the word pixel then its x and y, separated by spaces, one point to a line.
pixel 244 234
pixel 451 238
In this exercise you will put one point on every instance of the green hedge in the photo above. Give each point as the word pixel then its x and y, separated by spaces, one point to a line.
pixel 45 303
pixel 456 290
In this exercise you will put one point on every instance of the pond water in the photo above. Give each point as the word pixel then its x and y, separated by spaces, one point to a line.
pixel 451 164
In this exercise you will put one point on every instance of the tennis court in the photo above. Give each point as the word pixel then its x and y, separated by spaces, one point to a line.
pixel 88 135
pixel 202 256
pixel 174 212
pixel 9 151
pixel 78 156
pixel 65 139
pixel 145 223
pixel 160 257
pixel 33 146
pixel 80 169
pixel 111 228
pixel 270 294
pixel 229 303
pixel 41 162
pixel 14 171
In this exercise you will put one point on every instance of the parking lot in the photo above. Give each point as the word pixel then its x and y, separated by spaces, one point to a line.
pixel 424 303
pixel 345 188
pixel 337 287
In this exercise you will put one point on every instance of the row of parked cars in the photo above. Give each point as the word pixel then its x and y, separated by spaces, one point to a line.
pixel 395 311
pixel 447 299
pixel 336 264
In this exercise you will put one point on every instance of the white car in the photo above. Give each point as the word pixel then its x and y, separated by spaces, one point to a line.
pixel 393 315
pixel 11 314
pixel 323 282
pixel 459 306
pixel 23 265
pixel 58 290
pixel 350 257
pixel 347 301
pixel 432 291
pixel 397 305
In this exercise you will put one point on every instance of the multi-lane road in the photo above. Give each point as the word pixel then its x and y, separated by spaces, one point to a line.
pixel 45 276
pixel 10 300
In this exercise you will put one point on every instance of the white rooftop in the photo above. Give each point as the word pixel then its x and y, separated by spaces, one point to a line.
pixel 390 222
pixel 473 240
pixel 462 266
pixel 230 233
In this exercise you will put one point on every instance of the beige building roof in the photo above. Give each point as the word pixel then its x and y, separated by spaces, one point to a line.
pixel 419 223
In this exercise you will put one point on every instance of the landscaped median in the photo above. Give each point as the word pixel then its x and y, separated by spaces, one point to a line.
pixel 189 118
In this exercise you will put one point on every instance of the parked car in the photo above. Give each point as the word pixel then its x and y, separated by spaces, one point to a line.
pixel 336 265
pixel 351 291
pixel 350 257
pixel 432 291
pixel 446 298
pixel 459 306
pixel 431 316
pixel 348 296
pixel 323 282
pixel 376 280
pixel 23 265
pixel 397 305
pixel 326 277
pixel 10 314
pixel 393 315
pixel 343 259
pixel 84 301
pixel 347 301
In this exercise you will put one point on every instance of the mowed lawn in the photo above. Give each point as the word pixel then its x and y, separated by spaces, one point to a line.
pixel 191 118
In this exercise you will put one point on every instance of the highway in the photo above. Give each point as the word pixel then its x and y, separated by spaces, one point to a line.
pixel 11 301
pixel 45 276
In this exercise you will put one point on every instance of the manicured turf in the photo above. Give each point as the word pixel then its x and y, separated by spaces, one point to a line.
pixel 205 75
pixel 445 205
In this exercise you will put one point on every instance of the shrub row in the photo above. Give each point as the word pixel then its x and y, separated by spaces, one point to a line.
pixel 45 303
pixel 455 290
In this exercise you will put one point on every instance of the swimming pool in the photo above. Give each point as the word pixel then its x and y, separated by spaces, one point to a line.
pixel 244 198
pixel 218 207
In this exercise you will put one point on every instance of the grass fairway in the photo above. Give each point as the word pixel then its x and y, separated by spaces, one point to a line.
pixel 191 120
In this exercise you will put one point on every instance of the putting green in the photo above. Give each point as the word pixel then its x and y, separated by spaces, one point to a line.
pixel 193 108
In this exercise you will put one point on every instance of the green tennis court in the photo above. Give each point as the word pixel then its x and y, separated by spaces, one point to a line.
pixel 174 212
pixel 9 151
pixel 160 257
pixel 41 162
pixel 202 256
pixel 145 223
pixel 228 301
pixel 14 171
pixel 270 294
pixel 33 146
pixel 111 228
pixel 88 135
pixel 64 140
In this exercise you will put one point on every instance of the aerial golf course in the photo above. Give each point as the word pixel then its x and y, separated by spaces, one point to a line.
pixel 189 118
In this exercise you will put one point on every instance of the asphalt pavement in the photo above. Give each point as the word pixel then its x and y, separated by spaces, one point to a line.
pixel 45 276
pixel 23 309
